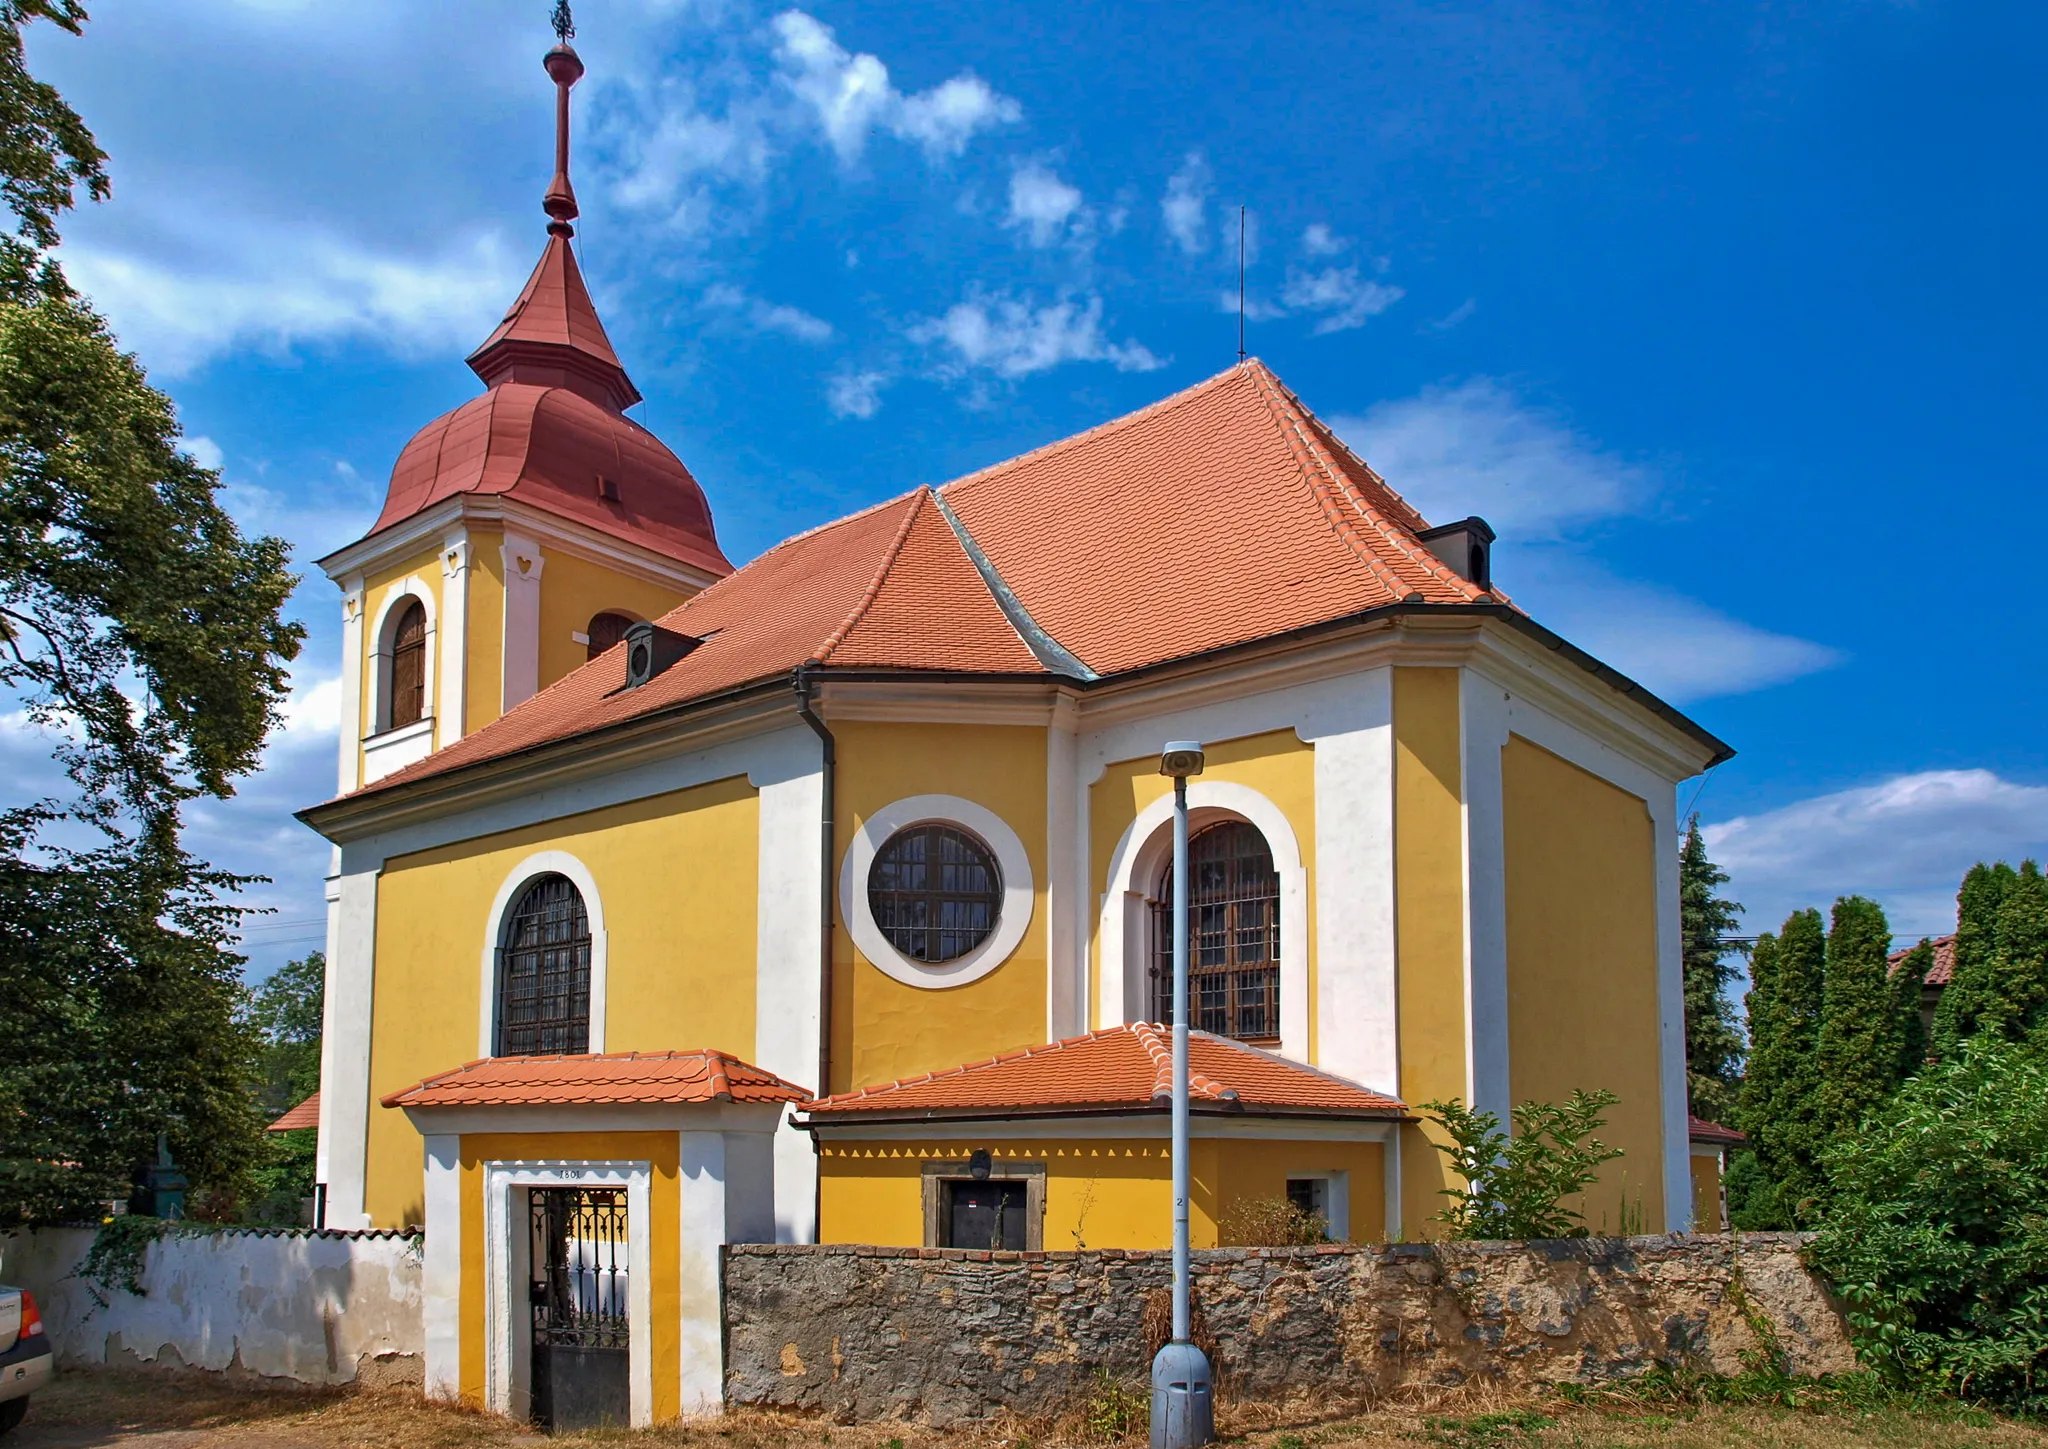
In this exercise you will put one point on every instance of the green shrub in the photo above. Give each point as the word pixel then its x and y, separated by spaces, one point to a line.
pixel 1937 1229
pixel 1270 1222
pixel 1515 1186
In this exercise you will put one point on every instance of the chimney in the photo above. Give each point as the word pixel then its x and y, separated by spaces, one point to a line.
pixel 1465 547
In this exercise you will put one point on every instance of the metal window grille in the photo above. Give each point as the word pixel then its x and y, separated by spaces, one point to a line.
pixel 409 666
pixel 579 1267
pixel 606 630
pixel 935 892
pixel 1233 936
pixel 544 972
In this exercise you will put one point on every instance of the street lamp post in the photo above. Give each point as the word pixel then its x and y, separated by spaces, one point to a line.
pixel 1183 1405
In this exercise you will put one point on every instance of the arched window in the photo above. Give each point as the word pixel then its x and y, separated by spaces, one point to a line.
pixel 409 666
pixel 544 972
pixel 607 629
pixel 1234 935
pixel 935 891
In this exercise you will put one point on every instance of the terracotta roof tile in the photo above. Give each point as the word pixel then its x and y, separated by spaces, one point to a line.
pixel 1942 971
pixel 608 1079
pixel 1122 1067
pixel 1701 1130
pixel 1223 514
pixel 306 1114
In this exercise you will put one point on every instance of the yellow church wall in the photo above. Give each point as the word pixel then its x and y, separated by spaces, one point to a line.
pixel 1115 1193
pixel 572 590
pixel 677 878
pixel 484 689
pixel 1276 764
pixel 659 1151
pixel 1582 963
pixel 1429 904
pixel 378 587
pixel 881 1028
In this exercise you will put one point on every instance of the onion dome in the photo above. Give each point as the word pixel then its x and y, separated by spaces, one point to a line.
pixel 550 430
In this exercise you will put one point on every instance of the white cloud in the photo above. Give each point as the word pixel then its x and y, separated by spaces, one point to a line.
pixel 1477 448
pixel 1044 206
pixel 856 393
pixel 205 452
pixel 851 96
pixel 1319 241
pixel 1456 317
pixel 1343 297
pixel 1183 209
pixel 1013 337
pixel 287 288
pixel 1904 841
pixel 766 316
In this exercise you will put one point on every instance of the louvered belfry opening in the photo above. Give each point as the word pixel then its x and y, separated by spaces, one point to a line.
pixel 544 972
pixel 1233 936
pixel 409 666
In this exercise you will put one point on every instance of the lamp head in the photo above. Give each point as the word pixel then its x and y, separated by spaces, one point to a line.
pixel 1181 758
pixel 979 1165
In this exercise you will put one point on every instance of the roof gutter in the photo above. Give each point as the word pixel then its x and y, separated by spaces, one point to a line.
pixel 814 1122
pixel 827 833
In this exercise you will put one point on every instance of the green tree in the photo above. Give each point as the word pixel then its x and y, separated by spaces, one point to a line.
pixel 1778 1109
pixel 1857 1051
pixel 1906 984
pixel 1516 1186
pixel 1713 1040
pixel 145 632
pixel 2018 1002
pixel 286 1013
pixel 1974 984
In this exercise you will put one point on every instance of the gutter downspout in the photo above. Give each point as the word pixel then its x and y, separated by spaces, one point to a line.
pixel 827 831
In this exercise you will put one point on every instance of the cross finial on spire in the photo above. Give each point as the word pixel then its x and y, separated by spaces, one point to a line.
pixel 564 68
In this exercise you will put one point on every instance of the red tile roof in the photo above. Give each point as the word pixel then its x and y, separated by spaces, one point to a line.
pixel 1224 514
pixel 306 1114
pixel 1703 1131
pixel 1942 971
pixel 552 332
pixel 1124 1067
pixel 608 1079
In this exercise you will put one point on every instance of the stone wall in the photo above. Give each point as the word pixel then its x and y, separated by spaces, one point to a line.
pixel 315 1307
pixel 945 1336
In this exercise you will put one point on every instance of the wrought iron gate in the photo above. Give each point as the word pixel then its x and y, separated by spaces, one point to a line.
pixel 579 1293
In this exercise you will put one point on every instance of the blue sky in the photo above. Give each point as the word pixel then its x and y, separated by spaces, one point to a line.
pixel 1725 316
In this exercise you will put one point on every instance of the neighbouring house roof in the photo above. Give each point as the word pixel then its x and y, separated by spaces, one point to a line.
pixel 599 1079
pixel 1225 514
pixel 1713 1134
pixel 1120 1069
pixel 1944 968
pixel 306 1114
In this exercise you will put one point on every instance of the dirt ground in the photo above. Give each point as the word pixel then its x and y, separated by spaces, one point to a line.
pixel 143 1411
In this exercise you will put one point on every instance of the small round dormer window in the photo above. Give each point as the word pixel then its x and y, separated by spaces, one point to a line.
pixel 935 892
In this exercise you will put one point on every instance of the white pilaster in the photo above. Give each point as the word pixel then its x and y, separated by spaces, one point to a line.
pixel 328 1027
pixel 1066 881
pixel 345 1077
pixel 454 631
pixel 703 1232
pixel 1663 803
pixel 441 1278
pixel 788 928
pixel 351 683
pixel 1483 710
pixel 523 565
pixel 1357 990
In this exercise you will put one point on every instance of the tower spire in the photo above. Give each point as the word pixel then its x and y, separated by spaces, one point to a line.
pixel 564 68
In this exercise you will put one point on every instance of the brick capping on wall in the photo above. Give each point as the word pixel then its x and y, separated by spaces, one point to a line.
pixel 947 1335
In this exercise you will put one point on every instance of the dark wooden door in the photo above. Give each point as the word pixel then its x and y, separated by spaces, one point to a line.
pixel 578 1292
pixel 985 1215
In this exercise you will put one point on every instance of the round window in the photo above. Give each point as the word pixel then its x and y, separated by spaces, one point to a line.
pixel 935 891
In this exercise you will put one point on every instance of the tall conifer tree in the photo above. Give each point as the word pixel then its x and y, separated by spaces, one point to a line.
pixel 2019 977
pixel 1713 1041
pixel 1974 984
pixel 1857 1052
pixel 1906 986
pixel 1778 1098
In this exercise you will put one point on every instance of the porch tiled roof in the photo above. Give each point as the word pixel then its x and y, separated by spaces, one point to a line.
pixel 1122 1067
pixel 1702 1131
pixel 599 1079
pixel 306 1114
pixel 1944 968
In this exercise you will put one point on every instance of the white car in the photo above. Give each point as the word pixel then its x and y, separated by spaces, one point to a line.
pixel 25 1358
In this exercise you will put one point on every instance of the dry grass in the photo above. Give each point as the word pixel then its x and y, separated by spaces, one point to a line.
pixel 86 1410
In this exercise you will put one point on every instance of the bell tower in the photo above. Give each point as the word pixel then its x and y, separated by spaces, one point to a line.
pixel 522 532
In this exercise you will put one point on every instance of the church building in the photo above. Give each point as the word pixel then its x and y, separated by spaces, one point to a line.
pixel 821 899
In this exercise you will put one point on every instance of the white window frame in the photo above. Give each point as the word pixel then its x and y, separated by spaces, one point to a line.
pixel 1013 918
pixel 381 647
pixel 543 862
